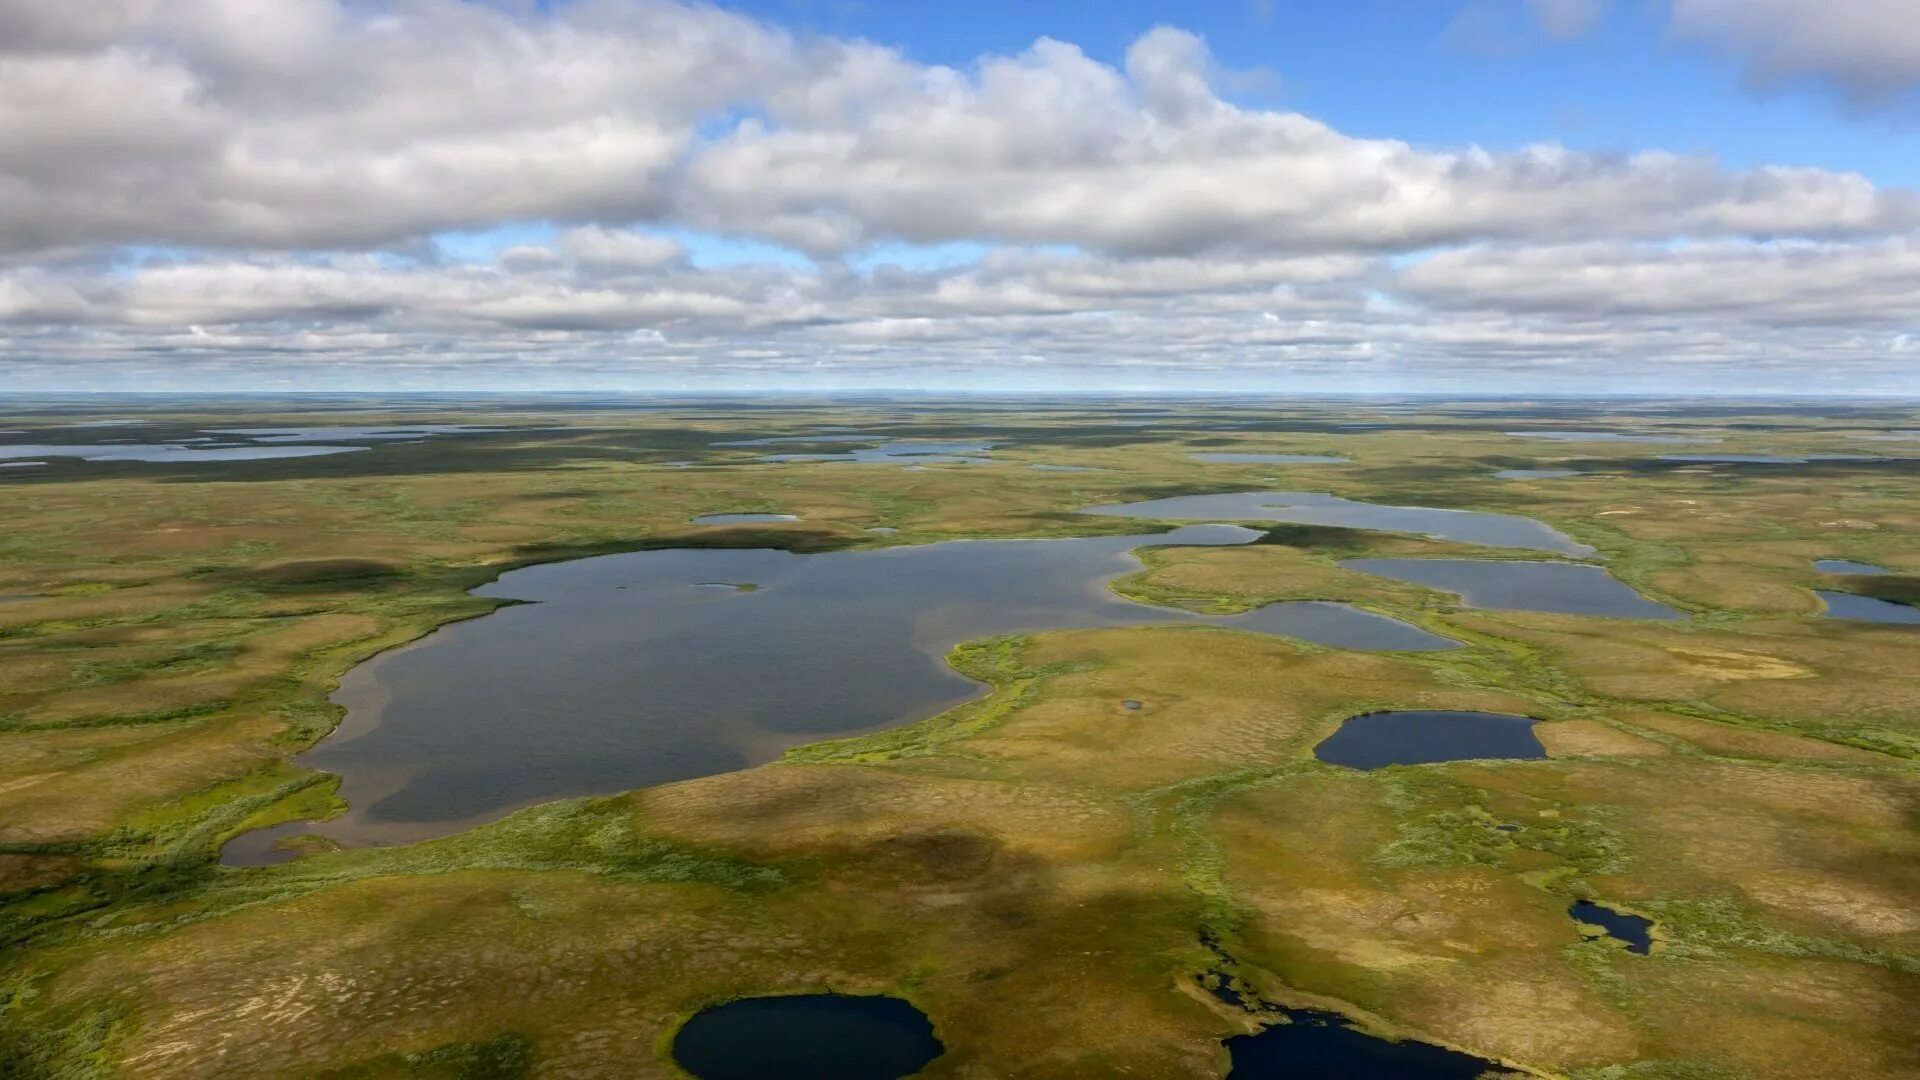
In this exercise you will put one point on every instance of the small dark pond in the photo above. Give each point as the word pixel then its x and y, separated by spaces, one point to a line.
pixel 742 519
pixel 261 847
pixel 1316 1044
pixel 1272 459
pixel 1561 588
pixel 1065 468
pixel 1319 508
pixel 621 671
pixel 1848 566
pixel 807 1037
pixel 1610 436
pixel 1858 608
pixel 1421 736
pixel 1619 925
pixel 1535 474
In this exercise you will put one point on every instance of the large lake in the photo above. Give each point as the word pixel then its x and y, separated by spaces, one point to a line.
pixel 627 670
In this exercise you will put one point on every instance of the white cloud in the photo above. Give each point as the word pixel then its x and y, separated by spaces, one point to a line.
pixel 1868 49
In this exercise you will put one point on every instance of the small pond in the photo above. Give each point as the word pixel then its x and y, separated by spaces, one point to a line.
pixel 264 847
pixel 1065 468
pixel 1560 588
pixel 1313 1044
pixel 742 519
pixel 1619 925
pixel 1319 508
pixel 1848 566
pixel 1424 736
pixel 645 672
pixel 807 1037
pixel 1841 605
pixel 901 453
pixel 1272 459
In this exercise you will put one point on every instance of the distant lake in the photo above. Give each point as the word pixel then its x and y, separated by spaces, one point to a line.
pixel 742 519
pixel 1766 459
pixel 169 452
pixel 1611 436
pixel 1847 566
pixel 1535 474
pixel 1319 508
pixel 622 671
pixel 1563 588
pixel 807 1037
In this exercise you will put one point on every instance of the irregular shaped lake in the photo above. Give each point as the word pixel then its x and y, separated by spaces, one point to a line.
pixel 807 1037
pixel 1421 737
pixel 1765 459
pixel 1619 925
pixel 1319 508
pixel 1561 588
pixel 1841 605
pixel 624 671
pixel 167 452
pixel 1313 1043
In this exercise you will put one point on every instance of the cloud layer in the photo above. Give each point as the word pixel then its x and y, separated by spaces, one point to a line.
pixel 186 182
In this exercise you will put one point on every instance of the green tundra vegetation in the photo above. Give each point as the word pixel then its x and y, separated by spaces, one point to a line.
pixel 1060 882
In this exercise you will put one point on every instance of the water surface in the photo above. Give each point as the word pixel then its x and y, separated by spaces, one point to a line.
pixel 1765 459
pixel 1619 925
pixel 621 671
pixel 1848 566
pixel 169 452
pixel 262 847
pixel 1313 1044
pixel 742 519
pixel 1610 436
pixel 807 1037
pixel 1420 737
pixel 1319 508
pixel 1841 605
pixel 1535 474
pixel 1561 588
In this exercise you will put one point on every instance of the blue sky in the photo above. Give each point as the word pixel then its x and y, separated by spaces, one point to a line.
pixel 1566 196
pixel 1431 71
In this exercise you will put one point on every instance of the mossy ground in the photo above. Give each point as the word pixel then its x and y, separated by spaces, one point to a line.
pixel 1045 872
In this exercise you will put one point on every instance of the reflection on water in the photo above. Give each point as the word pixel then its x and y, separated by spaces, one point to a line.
pixel 1858 608
pixel 1420 737
pixel 622 672
pixel 807 1037
pixel 1318 508
pixel 1563 588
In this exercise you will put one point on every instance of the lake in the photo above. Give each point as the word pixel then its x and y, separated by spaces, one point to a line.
pixel 1319 508
pixel 1858 608
pixel 644 672
pixel 1557 587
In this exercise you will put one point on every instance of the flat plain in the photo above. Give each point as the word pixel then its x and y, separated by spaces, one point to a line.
pixel 1120 854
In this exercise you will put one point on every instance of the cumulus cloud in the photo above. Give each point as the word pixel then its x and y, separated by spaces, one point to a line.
pixel 1867 49
pixel 187 180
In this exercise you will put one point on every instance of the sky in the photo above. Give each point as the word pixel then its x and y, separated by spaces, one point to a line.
pixel 1588 197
